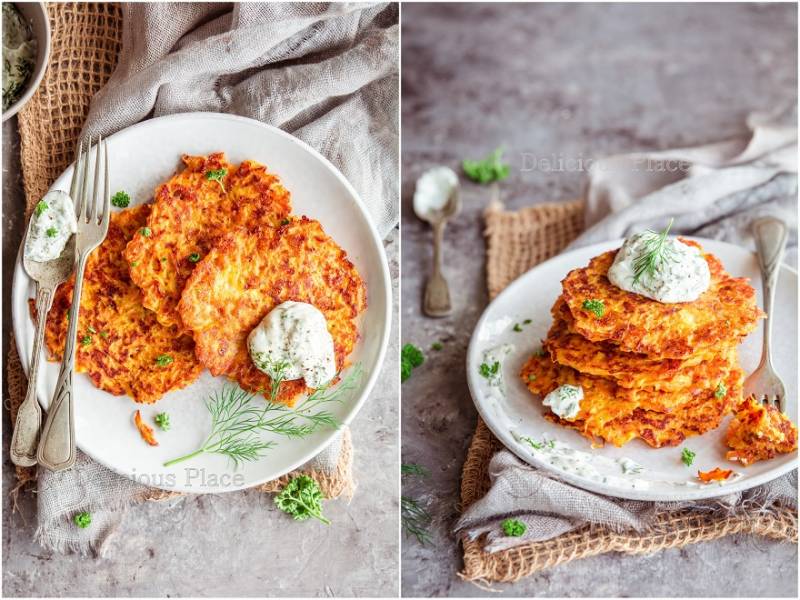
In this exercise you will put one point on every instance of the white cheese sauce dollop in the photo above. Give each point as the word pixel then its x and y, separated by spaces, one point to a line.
pixel 681 276
pixel 52 224
pixel 292 342
pixel 565 401
pixel 433 190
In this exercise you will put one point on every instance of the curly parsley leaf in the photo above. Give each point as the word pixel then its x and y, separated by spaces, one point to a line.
pixel 162 420
pixel 121 199
pixel 513 527
pixel 687 457
pixel 302 499
pixel 163 360
pixel 489 371
pixel 51 232
pixel 487 170
pixel 82 519
pixel 410 358
pixel 595 306
pixel 217 175
pixel 41 206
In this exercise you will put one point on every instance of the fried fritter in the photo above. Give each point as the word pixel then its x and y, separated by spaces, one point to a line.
pixel 247 274
pixel 119 341
pixel 617 415
pixel 632 370
pixel 189 215
pixel 759 432
pixel 724 313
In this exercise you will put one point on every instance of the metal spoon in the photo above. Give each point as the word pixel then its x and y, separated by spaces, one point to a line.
pixel 436 302
pixel 48 276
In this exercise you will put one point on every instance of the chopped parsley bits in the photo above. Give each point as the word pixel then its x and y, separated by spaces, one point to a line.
pixel 162 420
pixel 517 327
pixel 489 371
pixel 193 257
pixel 145 231
pixel 217 175
pixel 594 306
pixel 104 334
pixel 541 352
pixel 91 329
pixel 527 322
pixel 720 391
pixel 86 340
pixel 134 263
pixel 513 527
pixel 82 519
pixel 437 346
pixel 487 170
pixel 163 360
pixel 51 232
pixel 410 358
pixel 285 221
pixel 531 377
pixel 687 457
pixel 121 199
pixel 41 206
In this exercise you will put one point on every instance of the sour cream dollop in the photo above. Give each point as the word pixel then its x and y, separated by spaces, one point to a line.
pixel 433 190
pixel 565 401
pixel 52 224
pixel 682 275
pixel 293 342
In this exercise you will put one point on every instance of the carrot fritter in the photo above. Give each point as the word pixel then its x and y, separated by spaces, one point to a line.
pixel 618 415
pixel 119 341
pixel 247 274
pixel 724 313
pixel 190 213
pixel 759 432
pixel 632 370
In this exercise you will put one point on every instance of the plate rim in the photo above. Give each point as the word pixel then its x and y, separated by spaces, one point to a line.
pixel 21 277
pixel 510 443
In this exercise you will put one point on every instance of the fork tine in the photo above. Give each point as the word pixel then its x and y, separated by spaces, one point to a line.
pixel 73 187
pixel 96 199
pixel 106 191
pixel 81 202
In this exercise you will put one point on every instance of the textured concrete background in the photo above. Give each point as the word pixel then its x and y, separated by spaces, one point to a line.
pixel 565 81
pixel 234 544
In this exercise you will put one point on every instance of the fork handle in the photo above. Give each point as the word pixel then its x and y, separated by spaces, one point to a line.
pixel 770 236
pixel 29 416
pixel 57 446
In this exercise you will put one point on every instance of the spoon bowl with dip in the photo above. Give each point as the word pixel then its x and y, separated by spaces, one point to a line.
pixel 436 200
pixel 48 256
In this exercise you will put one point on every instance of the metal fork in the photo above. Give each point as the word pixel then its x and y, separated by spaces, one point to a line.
pixel 764 383
pixel 57 446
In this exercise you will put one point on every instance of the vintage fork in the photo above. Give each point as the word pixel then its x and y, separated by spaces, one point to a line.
pixel 764 383
pixel 92 208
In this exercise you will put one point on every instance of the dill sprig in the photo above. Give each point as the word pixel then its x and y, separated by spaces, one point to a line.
pixel 655 252
pixel 237 422
pixel 414 469
pixel 415 519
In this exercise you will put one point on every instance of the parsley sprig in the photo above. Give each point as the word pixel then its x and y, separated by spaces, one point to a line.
pixel 302 499
pixel 595 306
pixel 217 175
pixel 513 527
pixel 655 252
pixel 236 421
pixel 487 170
pixel 410 358
pixel 687 457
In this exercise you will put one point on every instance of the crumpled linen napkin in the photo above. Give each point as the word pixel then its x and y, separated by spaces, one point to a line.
pixel 715 191
pixel 326 73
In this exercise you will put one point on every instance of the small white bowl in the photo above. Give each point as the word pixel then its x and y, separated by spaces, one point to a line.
pixel 35 14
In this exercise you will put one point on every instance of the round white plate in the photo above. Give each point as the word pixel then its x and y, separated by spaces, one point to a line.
pixel 143 156
pixel 521 414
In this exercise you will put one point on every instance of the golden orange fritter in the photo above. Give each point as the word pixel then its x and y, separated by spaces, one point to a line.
pixel 724 313
pixel 121 346
pixel 190 213
pixel 632 370
pixel 759 432
pixel 247 274
pixel 617 415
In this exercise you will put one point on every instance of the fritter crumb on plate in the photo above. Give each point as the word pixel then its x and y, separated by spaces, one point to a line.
pixel 759 432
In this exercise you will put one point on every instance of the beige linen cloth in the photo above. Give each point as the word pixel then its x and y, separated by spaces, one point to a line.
pixel 714 191
pixel 328 73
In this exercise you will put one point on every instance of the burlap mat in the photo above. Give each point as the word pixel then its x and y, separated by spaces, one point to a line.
pixel 85 44
pixel 516 241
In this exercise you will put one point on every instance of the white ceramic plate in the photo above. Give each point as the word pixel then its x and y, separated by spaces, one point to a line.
pixel 141 157
pixel 665 477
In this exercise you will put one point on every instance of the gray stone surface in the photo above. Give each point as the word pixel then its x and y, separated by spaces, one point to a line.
pixel 567 81
pixel 234 544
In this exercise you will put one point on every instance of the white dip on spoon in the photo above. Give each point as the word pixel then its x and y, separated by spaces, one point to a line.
pixel 52 224
pixel 433 191
pixel 293 342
